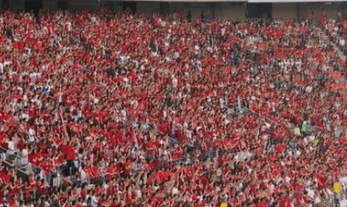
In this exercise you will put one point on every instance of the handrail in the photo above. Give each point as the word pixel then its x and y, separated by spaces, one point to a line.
pixel 265 119
pixel 3 148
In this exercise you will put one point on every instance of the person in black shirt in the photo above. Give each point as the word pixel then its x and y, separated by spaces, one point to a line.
pixel 189 16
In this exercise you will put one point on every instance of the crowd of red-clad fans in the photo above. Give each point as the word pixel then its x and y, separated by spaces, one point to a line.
pixel 115 109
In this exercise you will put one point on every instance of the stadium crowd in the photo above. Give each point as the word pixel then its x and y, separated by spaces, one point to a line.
pixel 135 111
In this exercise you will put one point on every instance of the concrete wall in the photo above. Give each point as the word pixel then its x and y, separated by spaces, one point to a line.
pixel 17 5
pixel 228 10
pixel 195 8
pixel 284 10
pixel 148 8
pixel 51 4
pixel 329 9
pixel 83 4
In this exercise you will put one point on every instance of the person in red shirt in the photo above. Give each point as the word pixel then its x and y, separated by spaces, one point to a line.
pixel 246 92
pixel 70 155
pixel 41 187
pixel 13 201
pixel 323 17
pixel 126 167
pixel 310 15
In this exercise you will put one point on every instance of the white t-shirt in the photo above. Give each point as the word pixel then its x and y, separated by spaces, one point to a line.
pixel 94 201
pixel 31 135
pixel 10 145
pixel 175 191
pixel 6 63
pixel 1 68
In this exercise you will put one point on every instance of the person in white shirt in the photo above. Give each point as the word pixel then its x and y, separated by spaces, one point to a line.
pixel 342 42
pixel 7 63
pixel 1 68
pixel 94 200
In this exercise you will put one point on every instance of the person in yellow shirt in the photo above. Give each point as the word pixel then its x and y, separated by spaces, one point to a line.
pixel 223 205
pixel 297 130
pixel 337 187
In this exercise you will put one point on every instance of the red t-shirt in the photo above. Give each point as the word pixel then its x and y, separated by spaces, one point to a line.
pixel 70 153
pixel 127 168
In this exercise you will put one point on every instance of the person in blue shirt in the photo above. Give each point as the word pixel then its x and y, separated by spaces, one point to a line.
pixel 208 16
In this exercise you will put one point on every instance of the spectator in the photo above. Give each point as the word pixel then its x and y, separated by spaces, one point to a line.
pixel 189 16
pixel 137 111
pixel 310 15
